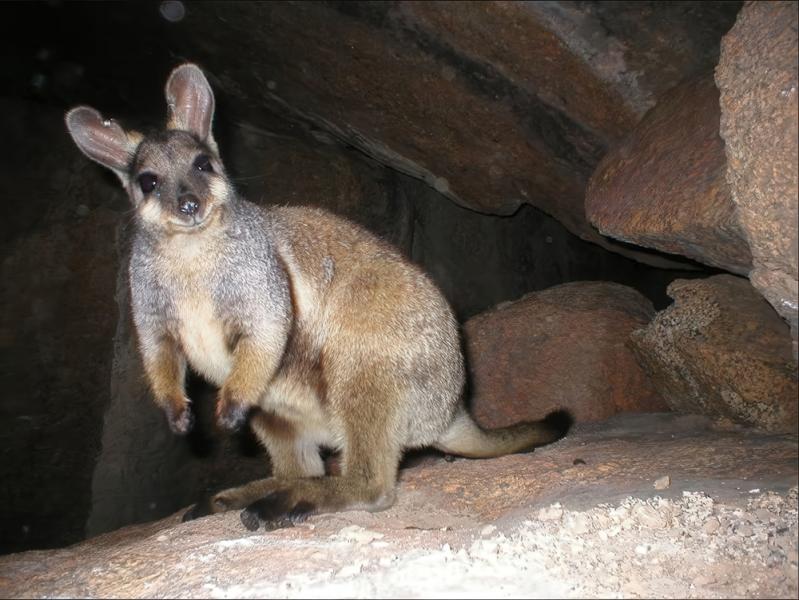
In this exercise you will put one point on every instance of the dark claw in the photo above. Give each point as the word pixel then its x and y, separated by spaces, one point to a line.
pixel 272 506
pixel 278 524
pixel 275 510
pixel 250 519
pixel 201 509
pixel 301 511
pixel 233 417
pixel 252 522
pixel 182 422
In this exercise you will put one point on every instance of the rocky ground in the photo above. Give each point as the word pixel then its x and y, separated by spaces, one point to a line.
pixel 638 506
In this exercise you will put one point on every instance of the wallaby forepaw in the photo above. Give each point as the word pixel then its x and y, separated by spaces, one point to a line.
pixel 275 510
pixel 180 421
pixel 230 415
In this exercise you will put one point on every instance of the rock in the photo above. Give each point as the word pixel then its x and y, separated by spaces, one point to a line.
pixel 551 513
pixel 357 534
pixel 757 78
pixel 56 326
pixel 562 348
pixel 720 349
pixel 744 530
pixel 664 186
pixel 662 483
pixel 577 524
pixel 763 514
pixel 530 138
pixel 649 516
pixel 711 525
pixel 704 579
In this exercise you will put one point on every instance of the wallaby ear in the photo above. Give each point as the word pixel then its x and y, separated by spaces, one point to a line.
pixel 190 102
pixel 102 140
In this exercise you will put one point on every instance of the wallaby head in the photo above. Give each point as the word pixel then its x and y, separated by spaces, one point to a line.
pixel 174 178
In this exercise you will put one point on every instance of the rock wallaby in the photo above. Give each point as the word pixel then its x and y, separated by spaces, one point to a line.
pixel 317 333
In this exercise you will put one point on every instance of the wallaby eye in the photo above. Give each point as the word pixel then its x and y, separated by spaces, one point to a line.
pixel 203 163
pixel 147 182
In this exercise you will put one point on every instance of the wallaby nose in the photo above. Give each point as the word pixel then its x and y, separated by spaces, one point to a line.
pixel 188 204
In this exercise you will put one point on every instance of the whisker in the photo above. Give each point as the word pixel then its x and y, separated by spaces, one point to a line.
pixel 245 178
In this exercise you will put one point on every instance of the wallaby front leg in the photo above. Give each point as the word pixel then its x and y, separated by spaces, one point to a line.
pixel 166 370
pixel 254 365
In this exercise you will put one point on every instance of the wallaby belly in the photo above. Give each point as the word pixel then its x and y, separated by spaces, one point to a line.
pixel 300 404
pixel 202 337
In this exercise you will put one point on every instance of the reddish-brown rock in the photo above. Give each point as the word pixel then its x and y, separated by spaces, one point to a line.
pixel 721 350
pixel 757 76
pixel 664 187
pixel 562 348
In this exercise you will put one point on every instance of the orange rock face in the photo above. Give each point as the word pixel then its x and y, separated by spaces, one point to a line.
pixel 757 76
pixel 664 187
pixel 721 350
pixel 562 348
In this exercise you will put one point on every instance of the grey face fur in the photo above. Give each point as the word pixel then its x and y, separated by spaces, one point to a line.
pixel 176 182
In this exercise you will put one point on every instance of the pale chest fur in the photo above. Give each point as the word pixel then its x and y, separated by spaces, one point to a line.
pixel 204 339
pixel 202 336
pixel 197 324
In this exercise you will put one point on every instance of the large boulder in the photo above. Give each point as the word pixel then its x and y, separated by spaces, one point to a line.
pixel 561 348
pixel 664 187
pixel 721 350
pixel 757 77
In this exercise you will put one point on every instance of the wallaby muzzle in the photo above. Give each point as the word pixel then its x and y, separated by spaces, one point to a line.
pixel 189 205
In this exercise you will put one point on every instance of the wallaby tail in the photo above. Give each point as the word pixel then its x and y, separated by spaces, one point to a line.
pixel 466 438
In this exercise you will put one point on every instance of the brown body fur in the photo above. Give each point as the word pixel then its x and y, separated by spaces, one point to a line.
pixel 314 328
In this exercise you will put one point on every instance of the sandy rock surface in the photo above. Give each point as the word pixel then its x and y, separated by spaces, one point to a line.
pixel 664 186
pixel 579 518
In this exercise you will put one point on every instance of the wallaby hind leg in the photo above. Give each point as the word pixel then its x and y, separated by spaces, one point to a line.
pixel 370 459
pixel 367 483
pixel 292 456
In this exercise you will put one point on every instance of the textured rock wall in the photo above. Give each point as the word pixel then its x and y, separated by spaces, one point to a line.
pixel 493 104
pixel 757 76
pixel 56 326
pixel 721 350
pixel 664 186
